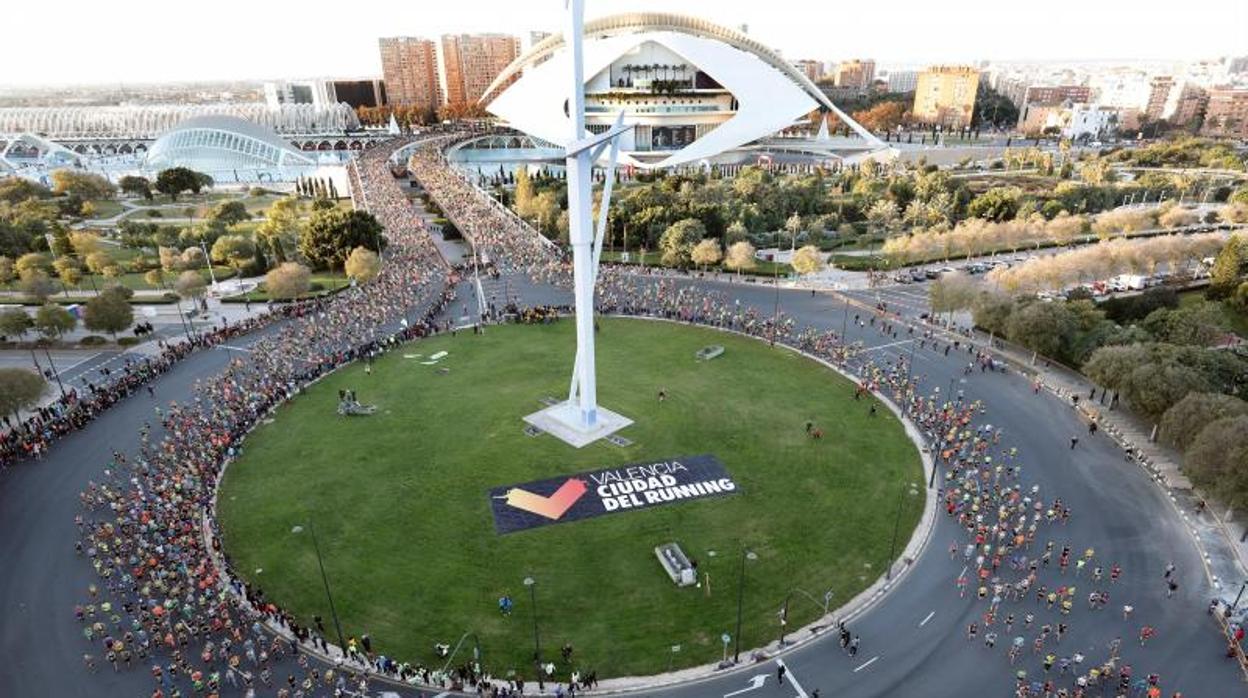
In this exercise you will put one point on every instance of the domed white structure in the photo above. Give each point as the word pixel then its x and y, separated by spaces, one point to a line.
pixel 224 145
pixel 691 89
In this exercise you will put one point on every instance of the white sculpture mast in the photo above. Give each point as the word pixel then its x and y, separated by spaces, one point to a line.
pixel 580 420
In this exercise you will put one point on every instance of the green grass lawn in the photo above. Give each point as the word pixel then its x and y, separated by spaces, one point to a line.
pixel 399 499
pixel 106 208
pixel 323 283
pixel 135 280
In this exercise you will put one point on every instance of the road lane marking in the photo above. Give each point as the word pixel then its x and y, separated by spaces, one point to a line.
pixel 867 664
pixel 755 682
pixel 793 679
pixel 929 617
pixel 892 344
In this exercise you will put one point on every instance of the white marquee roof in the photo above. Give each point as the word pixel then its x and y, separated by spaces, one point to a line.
pixel 770 92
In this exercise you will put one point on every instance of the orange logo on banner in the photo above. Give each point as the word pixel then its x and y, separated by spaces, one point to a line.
pixel 552 507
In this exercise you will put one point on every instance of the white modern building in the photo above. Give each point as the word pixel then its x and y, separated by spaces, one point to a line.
pixel 691 89
pixel 229 149
pixel 1089 121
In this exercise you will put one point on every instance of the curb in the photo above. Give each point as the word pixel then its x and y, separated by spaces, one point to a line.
pixel 806 635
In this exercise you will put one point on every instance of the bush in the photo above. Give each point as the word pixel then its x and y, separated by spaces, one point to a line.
pixel 1124 310
pixel 1182 422
pixel 93 340
pixel 128 341
pixel 1218 459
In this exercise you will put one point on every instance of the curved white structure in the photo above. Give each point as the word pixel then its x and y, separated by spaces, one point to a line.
pixel 223 143
pixel 150 121
pixel 691 89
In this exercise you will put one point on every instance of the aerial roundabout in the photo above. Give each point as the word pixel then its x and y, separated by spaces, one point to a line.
pixel 787 491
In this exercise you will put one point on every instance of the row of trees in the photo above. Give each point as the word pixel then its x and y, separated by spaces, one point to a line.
pixel 1105 260
pixel 109 311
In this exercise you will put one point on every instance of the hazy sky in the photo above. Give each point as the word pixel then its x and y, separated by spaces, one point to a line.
pixel 91 41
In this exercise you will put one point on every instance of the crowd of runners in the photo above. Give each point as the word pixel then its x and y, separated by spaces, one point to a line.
pixel 73 409
pixel 165 602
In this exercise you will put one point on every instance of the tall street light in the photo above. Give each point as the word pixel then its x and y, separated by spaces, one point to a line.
pixel 342 644
pixel 745 555
pixel 892 548
pixel 537 641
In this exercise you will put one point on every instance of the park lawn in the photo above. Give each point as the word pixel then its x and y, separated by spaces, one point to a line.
pixel 135 280
pixel 328 282
pixel 399 499
pixel 1232 319
pixel 106 208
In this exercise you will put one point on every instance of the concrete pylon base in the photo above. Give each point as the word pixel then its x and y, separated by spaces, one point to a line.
pixel 563 421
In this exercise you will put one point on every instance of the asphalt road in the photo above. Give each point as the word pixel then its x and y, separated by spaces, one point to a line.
pixel 913 641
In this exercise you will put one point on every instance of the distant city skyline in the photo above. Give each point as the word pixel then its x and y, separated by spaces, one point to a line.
pixel 151 41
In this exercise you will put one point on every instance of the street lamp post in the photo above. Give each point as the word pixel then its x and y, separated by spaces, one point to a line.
pixel 342 644
pixel 892 548
pixel 55 373
pixel 745 554
pixel 537 642
pixel 1237 596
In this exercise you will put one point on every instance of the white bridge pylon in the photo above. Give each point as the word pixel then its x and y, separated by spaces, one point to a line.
pixel 580 420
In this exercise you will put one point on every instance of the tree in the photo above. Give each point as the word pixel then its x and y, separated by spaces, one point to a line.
pixel 807 260
pixel 14 322
pixel 1045 328
pixel 678 241
pixel 1218 460
pixel 883 214
pixel 32 261
pixel 884 116
pixel 740 257
pixel 155 277
pixel 1198 324
pixel 136 186
pixel 1182 423
pixel 524 193
pixel 7 271
pixel 97 262
pixel 289 280
pixel 234 250
pixel 735 233
pixel 68 271
pixel 363 265
pixel 52 321
pixel 331 235
pixel 228 213
pixel 19 389
pixel 175 180
pixel 1152 388
pixel 997 204
pixel 706 253
pixel 1224 276
pixel 85 242
pixel 108 312
pixel 82 184
pixel 190 285
pixel 36 284
pixel 281 228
